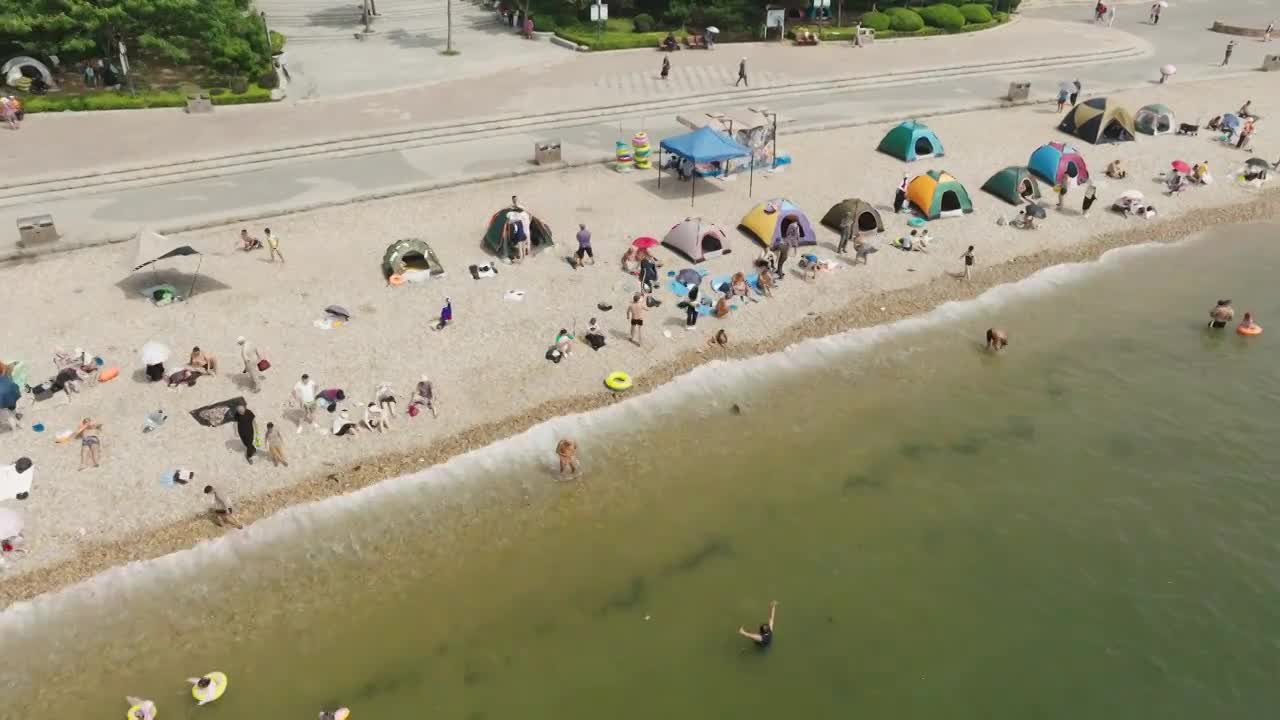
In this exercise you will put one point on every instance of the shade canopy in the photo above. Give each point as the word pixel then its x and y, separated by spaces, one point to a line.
pixel 150 246
pixel 704 145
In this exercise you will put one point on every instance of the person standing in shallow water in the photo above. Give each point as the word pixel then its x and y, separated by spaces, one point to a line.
pixel 764 637
pixel 1221 314
pixel 997 339
pixel 567 450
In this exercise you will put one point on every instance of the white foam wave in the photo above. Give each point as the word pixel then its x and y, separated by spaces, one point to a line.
pixel 185 569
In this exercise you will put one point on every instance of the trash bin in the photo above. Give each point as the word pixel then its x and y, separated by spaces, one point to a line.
pixel 1019 91
pixel 1271 63
pixel 546 152
pixel 36 229
pixel 199 103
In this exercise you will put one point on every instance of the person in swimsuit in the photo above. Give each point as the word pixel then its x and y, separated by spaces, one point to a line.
pixel 567 450
pixel 221 510
pixel 635 313
pixel 763 638
pixel 203 362
pixel 1247 323
pixel 145 709
pixel 205 687
pixel 996 339
pixel 1221 314
pixel 90 442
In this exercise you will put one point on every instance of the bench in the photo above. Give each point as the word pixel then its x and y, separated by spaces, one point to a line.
pixel 695 42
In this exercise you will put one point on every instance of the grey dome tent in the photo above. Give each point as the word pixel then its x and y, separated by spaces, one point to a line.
pixel 865 217
pixel 697 240
pixel 1154 119
pixel 411 254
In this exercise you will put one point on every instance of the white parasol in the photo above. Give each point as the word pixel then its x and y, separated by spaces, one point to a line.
pixel 154 353
pixel 10 523
pixel 1163 4
pixel 1168 70
pixel 713 29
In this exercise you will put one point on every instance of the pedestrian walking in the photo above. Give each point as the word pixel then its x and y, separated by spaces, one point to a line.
pixel 1266 34
pixel 1075 95
pixel 304 392
pixel 9 112
pixel 968 258
pixel 247 430
pixel 900 195
pixel 446 314
pixel 1226 56
pixel 1063 95
pixel 1155 14
pixel 846 234
pixel 254 363
pixel 275 445
pixel 584 246
pixel 1061 190
pixel 222 509
pixel 666 66
pixel 635 313
pixel 1090 194
pixel 742 73
pixel 273 244
pixel 691 309
pixel 1111 15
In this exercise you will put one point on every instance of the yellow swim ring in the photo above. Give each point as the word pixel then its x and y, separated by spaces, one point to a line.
pixel 618 381
pixel 135 712
pixel 218 686
pixel 1249 331
pixel 341 714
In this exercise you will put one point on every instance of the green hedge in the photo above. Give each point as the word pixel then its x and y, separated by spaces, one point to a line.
pixel 125 101
pixel 877 21
pixel 975 13
pixel 943 16
pixel 904 20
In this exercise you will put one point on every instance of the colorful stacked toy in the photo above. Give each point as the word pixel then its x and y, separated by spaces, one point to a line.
pixel 640 144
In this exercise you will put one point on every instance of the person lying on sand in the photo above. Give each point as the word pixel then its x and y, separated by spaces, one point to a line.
pixel 1221 314
pixel 997 339
pixel 766 283
pixel 203 362
pixel 722 306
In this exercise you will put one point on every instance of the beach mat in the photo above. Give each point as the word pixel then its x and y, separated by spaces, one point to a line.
pixel 218 413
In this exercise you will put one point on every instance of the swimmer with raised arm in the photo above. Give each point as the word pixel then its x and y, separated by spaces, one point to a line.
pixel 764 637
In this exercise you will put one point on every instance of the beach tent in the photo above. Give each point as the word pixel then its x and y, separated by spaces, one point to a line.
pixel 497 235
pixel 865 218
pixel 768 221
pixel 1014 185
pixel 697 240
pixel 1055 162
pixel 703 145
pixel 151 247
pixel 1154 120
pixel 911 141
pixel 937 194
pixel 1099 120
pixel 409 255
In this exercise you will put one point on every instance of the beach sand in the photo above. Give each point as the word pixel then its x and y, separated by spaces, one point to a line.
pixel 488 368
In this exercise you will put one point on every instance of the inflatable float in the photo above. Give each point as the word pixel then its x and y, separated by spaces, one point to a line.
pixel 1249 331
pixel 216 687
pixel 618 381
pixel 109 374
pixel 136 713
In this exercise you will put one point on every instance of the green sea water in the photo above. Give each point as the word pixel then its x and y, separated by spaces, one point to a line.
pixel 1082 526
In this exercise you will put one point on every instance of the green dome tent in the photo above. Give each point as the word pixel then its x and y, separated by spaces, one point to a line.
pixel 865 218
pixel 1154 119
pixel 497 240
pixel 1014 185
pixel 911 141
pixel 411 254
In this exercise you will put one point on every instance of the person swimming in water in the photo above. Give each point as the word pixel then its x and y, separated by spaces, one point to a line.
pixel 140 709
pixel 1221 314
pixel 764 637
pixel 339 714
pixel 997 339
pixel 1247 323
pixel 206 689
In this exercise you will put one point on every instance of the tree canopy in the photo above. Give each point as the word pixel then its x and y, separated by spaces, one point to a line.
pixel 225 35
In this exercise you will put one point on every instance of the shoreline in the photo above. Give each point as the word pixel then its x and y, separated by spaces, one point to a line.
pixel 899 303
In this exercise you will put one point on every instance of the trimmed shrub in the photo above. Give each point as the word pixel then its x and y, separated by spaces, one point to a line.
pixel 269 79
pixel 877 21
pixel 947 17
pixel 974 13
pixel 643 22
pixel 238 85
pixel 904 20
pixel 1000 17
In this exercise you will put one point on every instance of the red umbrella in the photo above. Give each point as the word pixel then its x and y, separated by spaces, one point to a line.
pixel 1182 167
pixel 644 243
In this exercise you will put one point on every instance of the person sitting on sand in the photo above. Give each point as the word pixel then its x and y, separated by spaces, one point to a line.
pixel 768 260
pixel 766 283
pixel 222 513
pixel 763 638
pixel 1247 323
pixel 185 376
pixel 739 287
pixel 923 240
pixel 1176 183
pixel 424 394
pixel 567 451
pixel 249 242
pixel 375 418
pixel 721 339
pixel 386 399
pixel 1221 314
pixel 631 261
pixel 564 342
pixel 722 306
pixel 203 362
pixel 1116 170
pixel 1024 220
pixel 342 424
pixel 997 339
pixel 1200 173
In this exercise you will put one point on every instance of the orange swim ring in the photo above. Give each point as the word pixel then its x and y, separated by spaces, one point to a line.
pixel 109 374
pixel 1249 331
pixel 396 280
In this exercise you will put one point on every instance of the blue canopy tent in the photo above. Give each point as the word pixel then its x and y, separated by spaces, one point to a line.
pixel 703 145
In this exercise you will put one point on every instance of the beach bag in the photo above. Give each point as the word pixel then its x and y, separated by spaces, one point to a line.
pixel 413 410
pixel 263 365
pixel 554 355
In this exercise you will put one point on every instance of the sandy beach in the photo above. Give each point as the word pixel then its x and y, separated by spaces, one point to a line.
pixel 488 368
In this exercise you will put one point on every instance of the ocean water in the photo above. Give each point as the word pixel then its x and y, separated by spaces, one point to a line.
pixel 1082 526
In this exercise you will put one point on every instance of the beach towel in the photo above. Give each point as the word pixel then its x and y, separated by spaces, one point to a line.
pixel 218 413
pixel 162 294
pixel 680 289
pixel 329 323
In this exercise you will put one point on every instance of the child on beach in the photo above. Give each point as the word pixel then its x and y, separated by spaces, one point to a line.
pixel 969 259
pixel 275 445
pixel 567 451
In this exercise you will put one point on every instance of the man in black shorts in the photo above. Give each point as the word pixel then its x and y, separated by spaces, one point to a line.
pixel 584 245
pixel 635 313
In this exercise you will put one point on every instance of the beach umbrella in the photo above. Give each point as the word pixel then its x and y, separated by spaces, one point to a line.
pixel 1182 167
pixel 689 276
pixel 713 29
pixel 644 243
pixel 1258 163
pixel 1131 195
pixel 10 523
pixel 1163 3
pixel 1035 211
pixel 1168 70
pixel 9 393
pixel 154 353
